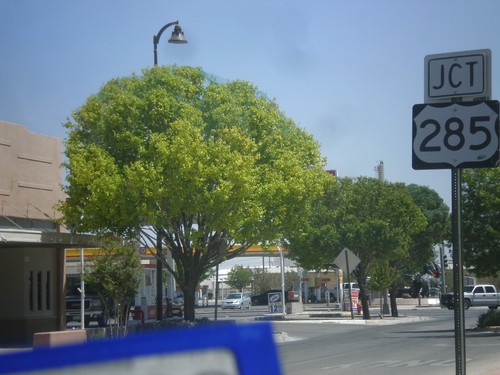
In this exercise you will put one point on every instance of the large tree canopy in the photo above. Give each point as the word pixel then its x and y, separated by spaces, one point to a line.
pixel 421 251
pixel 481 220
pixel 374 219
pixel 437 231
pixel 211 168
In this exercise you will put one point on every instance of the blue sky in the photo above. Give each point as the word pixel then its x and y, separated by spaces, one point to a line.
pixel 348 72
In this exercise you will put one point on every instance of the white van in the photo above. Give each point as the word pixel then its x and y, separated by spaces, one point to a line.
pixel 353 286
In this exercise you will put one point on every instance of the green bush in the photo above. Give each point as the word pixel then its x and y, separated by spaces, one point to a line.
pixel 489 319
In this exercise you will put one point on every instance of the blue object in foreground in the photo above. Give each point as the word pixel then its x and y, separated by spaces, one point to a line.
pixel 227 349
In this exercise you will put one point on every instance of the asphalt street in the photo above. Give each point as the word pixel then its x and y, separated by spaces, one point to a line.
pixel 420 340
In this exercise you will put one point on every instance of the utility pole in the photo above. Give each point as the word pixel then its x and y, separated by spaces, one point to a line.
pixel 379 169
pixel 176 38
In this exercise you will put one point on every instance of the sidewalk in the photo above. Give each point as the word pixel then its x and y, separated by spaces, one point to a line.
pixel 322 313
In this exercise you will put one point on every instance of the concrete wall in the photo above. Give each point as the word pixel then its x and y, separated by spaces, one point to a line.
pixel 31 292
pixel 31 275
pixel 30 176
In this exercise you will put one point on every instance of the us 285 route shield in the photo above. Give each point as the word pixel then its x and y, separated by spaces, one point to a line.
pixel 456 135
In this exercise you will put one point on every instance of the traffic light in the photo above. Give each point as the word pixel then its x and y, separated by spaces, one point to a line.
pixel 445 261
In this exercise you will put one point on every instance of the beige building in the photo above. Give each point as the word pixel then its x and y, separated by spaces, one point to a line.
pixel 31 242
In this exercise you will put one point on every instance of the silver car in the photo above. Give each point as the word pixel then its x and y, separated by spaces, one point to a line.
pixel 237 301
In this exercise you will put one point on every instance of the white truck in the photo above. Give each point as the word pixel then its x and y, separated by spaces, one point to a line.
pixel 475 295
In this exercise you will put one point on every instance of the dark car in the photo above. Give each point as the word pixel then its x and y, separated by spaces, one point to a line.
pixel 262 299
pixel 93 310
pixel 447 299
pixel 93 306
pixel 177 307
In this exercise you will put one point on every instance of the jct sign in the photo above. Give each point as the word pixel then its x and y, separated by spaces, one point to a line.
pixel 456 135
pixel 460 74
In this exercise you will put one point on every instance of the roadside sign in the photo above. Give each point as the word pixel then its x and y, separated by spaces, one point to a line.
pixel 456 135
pixel 345 258
pixel 348 261
pixel 466 75
pixel 275 304
pixel 350 302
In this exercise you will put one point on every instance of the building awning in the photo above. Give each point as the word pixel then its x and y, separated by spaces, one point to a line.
pixel 10 238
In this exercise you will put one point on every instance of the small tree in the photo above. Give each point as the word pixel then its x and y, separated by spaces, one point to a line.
pixel 239 277
pixel 264 281
pixel 114 276
pixel 383 275
pixel 291 279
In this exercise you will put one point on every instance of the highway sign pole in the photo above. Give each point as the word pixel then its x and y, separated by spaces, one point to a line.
pixel 458 279
pixel 456 135
pixel 457 128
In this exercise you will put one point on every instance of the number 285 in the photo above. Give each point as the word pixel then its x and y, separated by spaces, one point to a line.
pixel 454 138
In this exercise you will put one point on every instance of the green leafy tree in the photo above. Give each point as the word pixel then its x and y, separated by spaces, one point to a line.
pixel 264 280
pixel 481 220
pixel 210 169
pixel 373 219
pixel 421 250
pixel 438 229
pixel 317 243
pixel 291 280
pixel 383 276
pixel 239 277
pixel 115 277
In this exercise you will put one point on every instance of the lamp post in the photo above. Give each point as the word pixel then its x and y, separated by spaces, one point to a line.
pixel 82 289
pixel 282 267
pixel 176 38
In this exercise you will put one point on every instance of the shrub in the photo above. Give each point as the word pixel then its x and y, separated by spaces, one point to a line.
pixel 489 319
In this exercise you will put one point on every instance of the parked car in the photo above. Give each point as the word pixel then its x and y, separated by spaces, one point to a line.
pixel 93 310
pixel 262 299
pixel 332 295
pixel 404 292
pixel 236 301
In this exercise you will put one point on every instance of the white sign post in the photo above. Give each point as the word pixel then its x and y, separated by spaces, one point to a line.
pixel 465 75
pixel 457 128
pixel 347 260
pixel 456 135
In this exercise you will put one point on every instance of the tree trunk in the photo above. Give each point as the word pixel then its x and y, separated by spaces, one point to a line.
pixel 394 305
pixel 189 313
pixel 189 289
pixel 364 302
pixel 360 275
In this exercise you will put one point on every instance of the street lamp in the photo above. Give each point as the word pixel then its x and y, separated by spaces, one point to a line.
pixel 176 38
